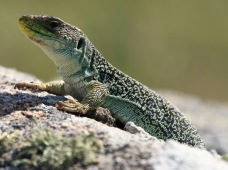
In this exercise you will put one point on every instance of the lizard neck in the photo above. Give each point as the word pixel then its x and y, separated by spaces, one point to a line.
pixel 75 67
pixel 73 72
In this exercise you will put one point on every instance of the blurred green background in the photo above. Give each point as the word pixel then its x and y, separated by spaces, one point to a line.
pixel 176 45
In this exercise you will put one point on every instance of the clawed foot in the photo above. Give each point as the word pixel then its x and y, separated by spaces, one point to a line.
pixel 72 106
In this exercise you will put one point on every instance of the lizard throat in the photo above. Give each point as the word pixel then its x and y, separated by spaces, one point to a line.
pixel 72 72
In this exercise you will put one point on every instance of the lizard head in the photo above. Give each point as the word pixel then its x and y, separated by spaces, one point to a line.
pixel 58 39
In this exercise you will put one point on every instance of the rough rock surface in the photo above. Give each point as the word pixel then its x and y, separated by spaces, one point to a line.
pixel 26 109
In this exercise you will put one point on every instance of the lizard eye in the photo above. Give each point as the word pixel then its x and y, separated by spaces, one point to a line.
pixel 54 24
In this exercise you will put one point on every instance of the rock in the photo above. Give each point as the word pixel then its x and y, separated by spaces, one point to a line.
pixel 175 156
pixel 12 75
pixel 34 134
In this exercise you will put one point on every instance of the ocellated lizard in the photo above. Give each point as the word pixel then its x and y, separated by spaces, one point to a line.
pixel 94 82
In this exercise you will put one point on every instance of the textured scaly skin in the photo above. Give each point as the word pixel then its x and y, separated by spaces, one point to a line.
pixel 89 78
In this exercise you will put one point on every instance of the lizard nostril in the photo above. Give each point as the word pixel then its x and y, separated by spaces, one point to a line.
pixel 80 43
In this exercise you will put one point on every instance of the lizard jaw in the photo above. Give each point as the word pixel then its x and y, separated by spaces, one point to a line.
pixel 39 36
pixel 30 33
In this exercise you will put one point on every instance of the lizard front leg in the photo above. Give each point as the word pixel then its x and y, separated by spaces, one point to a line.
pixel 95 92
pixel 55 87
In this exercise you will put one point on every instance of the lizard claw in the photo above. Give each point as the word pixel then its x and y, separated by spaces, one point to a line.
pixel 72 106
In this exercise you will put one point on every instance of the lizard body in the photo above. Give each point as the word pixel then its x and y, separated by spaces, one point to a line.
pixel 94 82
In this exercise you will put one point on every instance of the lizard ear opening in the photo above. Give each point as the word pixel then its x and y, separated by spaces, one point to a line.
pixel 80 43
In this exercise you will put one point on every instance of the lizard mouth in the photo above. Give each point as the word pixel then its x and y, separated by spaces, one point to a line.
pixel 31 33
pixel 28 24
pixel 35 32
